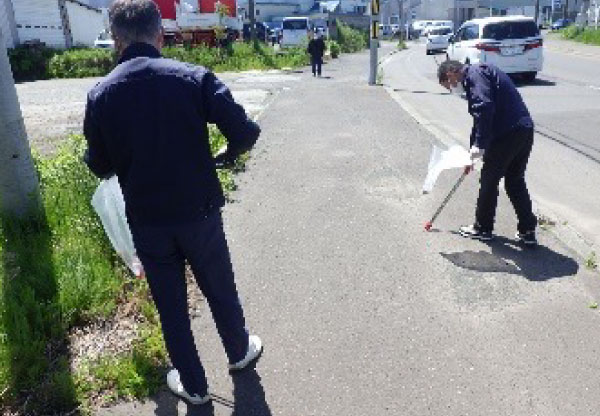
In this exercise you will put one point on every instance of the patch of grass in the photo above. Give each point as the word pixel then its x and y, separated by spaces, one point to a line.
pixel 591 262
pixel 593 305
pixel 59 272
pixel 350 39
pixel 545 222
pixel 585 35
pixel 379 78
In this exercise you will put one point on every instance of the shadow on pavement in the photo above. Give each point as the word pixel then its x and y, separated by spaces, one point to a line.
pixel 420 91
pixel 535 83
pixel 507 256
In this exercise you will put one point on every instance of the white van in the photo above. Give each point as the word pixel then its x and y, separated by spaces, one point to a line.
pixel 512 43
pixel 294 31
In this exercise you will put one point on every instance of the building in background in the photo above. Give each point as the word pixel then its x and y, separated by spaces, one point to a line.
pixel 57 24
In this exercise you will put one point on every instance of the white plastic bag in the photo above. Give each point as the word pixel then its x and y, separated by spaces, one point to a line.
pixel 454 157
pixel 110 206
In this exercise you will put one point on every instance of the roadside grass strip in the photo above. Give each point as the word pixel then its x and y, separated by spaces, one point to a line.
pixel 584 35
pixel 61 283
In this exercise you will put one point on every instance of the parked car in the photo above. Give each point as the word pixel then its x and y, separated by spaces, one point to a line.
pixel 437 40
pixel 104 40
pixel 561 24
pixel 512 43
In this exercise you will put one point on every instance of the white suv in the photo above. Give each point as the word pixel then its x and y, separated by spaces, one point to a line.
pixel 512 43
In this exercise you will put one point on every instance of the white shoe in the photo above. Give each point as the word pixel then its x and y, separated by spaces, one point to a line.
pixel 176 387
pixel 254 351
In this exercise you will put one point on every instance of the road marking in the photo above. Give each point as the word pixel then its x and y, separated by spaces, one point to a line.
pixel 594 87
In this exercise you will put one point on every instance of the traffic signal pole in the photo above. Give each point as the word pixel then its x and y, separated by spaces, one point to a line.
pixel 374 41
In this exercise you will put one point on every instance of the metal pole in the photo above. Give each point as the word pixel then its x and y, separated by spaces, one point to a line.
pixel 373 43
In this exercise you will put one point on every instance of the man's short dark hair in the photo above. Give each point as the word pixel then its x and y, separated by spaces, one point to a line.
pixel 446 67
pixel 134 20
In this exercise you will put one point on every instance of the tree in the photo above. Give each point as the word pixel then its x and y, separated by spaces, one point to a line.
pixel 19 188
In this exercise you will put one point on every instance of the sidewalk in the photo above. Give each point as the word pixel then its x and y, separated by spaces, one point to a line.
pixel 554 42
pixel 361 311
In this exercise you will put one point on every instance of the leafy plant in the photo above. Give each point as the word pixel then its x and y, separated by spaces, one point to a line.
pixel 30 62
pixel 591 262
pixel 350 39
pixel 334 49
pixel 81 63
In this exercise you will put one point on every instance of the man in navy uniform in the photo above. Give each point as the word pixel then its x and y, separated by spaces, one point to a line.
pixel 502 135
pixel 146 122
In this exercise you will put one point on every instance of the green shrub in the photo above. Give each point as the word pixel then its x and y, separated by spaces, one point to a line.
pixel 351 40
pixel 81 63
pixel 29 63
pixel 580 34
pixel 334 48
pixel 241 56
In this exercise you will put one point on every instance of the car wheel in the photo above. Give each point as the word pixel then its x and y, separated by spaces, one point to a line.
pixel 529 76
pixel 427 52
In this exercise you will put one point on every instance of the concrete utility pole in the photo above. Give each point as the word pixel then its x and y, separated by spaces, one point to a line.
pixel 252 20
pixel 19 189
pixel 374 41
pixel 537 12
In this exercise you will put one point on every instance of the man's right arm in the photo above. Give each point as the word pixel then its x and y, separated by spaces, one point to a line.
pixel 96 154
pixel 221 109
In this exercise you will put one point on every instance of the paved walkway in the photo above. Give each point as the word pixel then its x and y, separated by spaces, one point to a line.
pixel 360 310
pixel 555 43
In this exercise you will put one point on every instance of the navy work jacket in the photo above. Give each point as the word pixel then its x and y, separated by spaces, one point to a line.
pixel 495 104
pixel 146 122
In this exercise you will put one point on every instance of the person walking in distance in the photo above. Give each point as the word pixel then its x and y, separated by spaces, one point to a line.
pixel 146 122
pixel 502 135
pixel 316 49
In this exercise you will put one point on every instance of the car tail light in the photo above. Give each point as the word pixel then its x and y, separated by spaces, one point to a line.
pixel 487 47
pixel 534 45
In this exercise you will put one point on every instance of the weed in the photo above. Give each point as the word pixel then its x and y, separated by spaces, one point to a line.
pixel 591 262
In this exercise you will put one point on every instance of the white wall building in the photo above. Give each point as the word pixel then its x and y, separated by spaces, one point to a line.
pixel 25 21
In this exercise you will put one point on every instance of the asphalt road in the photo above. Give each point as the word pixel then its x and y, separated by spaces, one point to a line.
pixel 564 170
pixel 360 310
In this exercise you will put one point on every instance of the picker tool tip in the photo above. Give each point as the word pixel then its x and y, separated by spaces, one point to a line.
pixel 428 226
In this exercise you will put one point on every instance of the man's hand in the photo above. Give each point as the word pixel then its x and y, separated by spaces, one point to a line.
pixel 476 153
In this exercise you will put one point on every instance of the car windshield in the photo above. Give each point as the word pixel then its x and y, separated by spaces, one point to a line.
pixel 295 25
pixel 442 31
pixel 510 30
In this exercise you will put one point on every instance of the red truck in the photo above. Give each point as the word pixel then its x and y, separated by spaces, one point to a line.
pixel 194 22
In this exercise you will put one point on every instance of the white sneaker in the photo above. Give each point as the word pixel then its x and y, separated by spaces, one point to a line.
pixel 176 387
pixel 254 351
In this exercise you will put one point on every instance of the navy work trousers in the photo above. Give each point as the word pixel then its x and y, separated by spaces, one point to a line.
pixel 506 158
pixel 316 62
pixel 163 251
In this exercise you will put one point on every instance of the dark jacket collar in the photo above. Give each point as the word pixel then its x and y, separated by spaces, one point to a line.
pixel 135 50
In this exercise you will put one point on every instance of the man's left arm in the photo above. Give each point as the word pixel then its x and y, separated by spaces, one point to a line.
pixel 96 155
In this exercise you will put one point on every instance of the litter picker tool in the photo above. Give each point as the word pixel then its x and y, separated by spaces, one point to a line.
pixel 460 180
